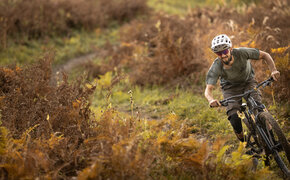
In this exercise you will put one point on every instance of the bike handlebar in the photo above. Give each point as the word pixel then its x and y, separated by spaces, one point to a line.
pixel 263 84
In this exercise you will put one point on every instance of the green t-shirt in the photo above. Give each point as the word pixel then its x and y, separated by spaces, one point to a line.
pixel 240 72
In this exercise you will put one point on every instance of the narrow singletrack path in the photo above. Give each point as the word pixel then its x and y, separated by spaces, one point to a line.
pixel 71 63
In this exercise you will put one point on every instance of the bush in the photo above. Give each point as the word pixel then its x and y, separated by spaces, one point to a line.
pixel 168 49
pixel 28 98
pixel 48 132
pixel 160 50
pixel 39 18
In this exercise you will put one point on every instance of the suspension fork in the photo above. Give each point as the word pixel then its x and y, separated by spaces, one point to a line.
pixel 264 129
pixel 266 137
pixel 250 127
pixel 249 121
pixel 254 112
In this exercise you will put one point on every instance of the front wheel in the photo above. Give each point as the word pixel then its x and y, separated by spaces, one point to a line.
pixel 277 139
pixel 267 117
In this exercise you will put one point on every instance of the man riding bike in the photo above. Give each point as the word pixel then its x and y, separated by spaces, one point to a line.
pixel 234 69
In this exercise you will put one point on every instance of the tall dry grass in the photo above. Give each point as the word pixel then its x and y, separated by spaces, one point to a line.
pixel 29 98
pixel 49 132
pixel 166 49
pixel 38 18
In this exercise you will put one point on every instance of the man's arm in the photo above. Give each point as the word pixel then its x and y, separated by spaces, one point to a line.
pixel 208 94
pixel 269 60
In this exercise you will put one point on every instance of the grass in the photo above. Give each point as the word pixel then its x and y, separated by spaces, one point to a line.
pixel 146 103
pixel 120 141
pixel 65 47
pixel 168 106
pixel 156 103
pixel 182 7
pixel 179 7
pixel 22 50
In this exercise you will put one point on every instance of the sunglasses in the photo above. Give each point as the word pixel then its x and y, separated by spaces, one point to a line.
pixel 220 53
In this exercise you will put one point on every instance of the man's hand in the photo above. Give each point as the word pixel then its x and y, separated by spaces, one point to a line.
pixel 208 94
pixel 269 60
pixel 214 103
pixel 275 74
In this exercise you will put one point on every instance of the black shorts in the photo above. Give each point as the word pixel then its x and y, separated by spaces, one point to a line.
pixel 232 90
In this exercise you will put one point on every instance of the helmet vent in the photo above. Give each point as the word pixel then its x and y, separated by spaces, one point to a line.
pixel 221 42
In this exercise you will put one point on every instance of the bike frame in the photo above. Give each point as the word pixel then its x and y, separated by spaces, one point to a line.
pixel 252 117
pixel 256 126
pixel 260 131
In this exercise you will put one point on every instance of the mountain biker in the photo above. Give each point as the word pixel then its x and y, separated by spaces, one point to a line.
pixel 233 68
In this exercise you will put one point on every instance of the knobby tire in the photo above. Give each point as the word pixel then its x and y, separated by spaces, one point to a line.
pixel 282 139
pixel 266 116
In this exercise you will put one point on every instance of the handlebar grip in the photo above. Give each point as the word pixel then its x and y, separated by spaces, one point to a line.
pixel 213 106
pixel 268 82
pixel 271 79
pixel 226 102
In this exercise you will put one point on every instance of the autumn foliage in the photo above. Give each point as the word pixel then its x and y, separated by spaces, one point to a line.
pixel 38 18
pixel 48 129
pixel 167 49
pixel 29 99
pixel 49 132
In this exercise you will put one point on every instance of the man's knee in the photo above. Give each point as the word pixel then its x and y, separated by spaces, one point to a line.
pixel 236 123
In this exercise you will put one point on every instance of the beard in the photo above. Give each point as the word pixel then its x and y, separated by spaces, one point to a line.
pixel 228 61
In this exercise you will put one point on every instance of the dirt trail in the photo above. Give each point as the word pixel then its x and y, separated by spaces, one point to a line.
pixel 70 64
pixel 79 61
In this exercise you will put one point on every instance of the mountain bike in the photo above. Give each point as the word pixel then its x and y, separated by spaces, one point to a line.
pixel 263 132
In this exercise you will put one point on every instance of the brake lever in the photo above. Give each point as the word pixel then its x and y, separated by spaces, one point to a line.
pixel 268 82
pixel 224 103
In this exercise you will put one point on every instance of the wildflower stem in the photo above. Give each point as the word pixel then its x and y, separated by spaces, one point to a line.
pixel 131 102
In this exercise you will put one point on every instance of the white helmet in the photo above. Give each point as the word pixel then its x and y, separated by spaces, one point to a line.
pixel 220 43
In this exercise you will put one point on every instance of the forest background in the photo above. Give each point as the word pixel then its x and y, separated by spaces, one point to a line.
pixel 98 89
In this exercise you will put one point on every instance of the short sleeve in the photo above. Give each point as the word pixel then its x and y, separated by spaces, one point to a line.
pixel 249 53
pixel 213 74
